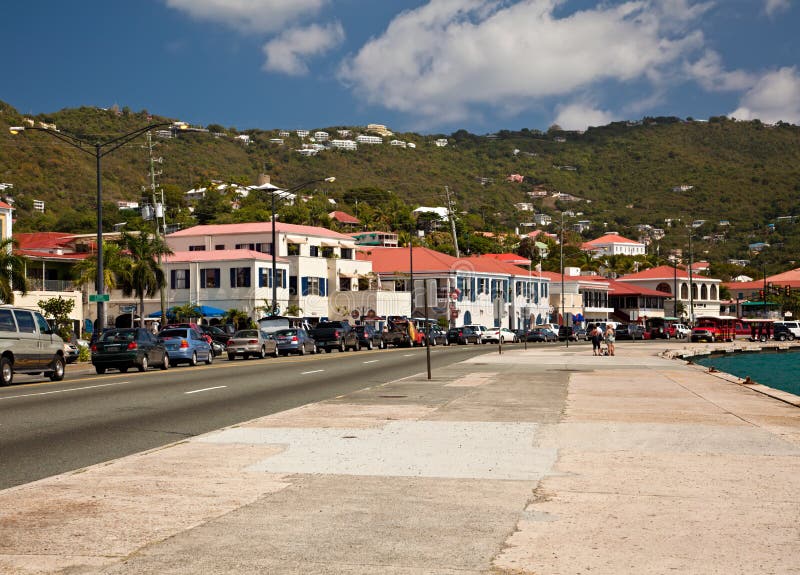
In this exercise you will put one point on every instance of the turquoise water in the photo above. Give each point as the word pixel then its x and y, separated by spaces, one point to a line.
pixel 777 370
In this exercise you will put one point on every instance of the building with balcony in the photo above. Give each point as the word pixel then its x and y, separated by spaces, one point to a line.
pixel 614 244
pixel 702 293
pixel 378 239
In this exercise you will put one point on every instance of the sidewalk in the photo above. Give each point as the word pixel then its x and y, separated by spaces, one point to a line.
pixel 542 461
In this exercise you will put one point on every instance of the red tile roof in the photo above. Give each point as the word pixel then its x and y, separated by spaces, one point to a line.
pixel 4 205
pixel 388 260
pixel 42 240
pixel 657 273
pixel 218 255
pixel 608 239
pixel 513 259
pixel 258 228
pixel 343 217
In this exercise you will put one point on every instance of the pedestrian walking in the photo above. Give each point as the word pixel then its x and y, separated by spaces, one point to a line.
pixel 597 337
pixel 610 337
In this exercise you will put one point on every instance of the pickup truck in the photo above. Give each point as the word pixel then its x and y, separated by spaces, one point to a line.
pixel 330 335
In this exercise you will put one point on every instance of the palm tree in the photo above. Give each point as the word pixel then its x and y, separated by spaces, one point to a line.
pixel 143 276
pixel 12 271
pixel 85 271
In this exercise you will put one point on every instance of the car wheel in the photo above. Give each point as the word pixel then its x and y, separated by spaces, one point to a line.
pixel 165 363
pixel 342 348
pixel 58 369
pixel 193 361
pixel 791 337
pixel 357 346
pixel 100 370
pixel 328 350
pixel 370 345
pixel 301 350
pixel 123 369
pixel 143 365
pixel 6 371
pixel 262 353
pixel 382 345
pixel 210 358
pixel 782 337
pixel 231 356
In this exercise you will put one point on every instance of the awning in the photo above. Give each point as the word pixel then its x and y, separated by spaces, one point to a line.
pixel 329 244
pixel 347 245
pixel 296 240
pixel 347 275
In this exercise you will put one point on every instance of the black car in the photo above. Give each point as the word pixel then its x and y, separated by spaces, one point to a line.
pixel 128 347
pixel 541 334
pixel 218 337
pixel 438 336
pixel 629 331
pixel 463 335
pixel 566 333
pixel 369 337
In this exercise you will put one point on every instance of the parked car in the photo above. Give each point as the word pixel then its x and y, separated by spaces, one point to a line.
pixel 331 335
pixel 581 334
pixel 783 330
pixel 29 345
pixel 551 327
pixel 251 342
pixel 125 348
pixel 368 337
pixel 678 331
pixel 541 334
pixel 219 338
pixel 630 331
pixel 71 352
pixel 438 336
pixel 705 333
pixel 479 329
pixel 494 335
pixel 186 345
pixel 293 340
pixel 463 335
pixel 566 333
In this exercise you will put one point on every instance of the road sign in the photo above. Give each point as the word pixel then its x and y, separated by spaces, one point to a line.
pixel 99 297
pixel 127 308
pixel 499 308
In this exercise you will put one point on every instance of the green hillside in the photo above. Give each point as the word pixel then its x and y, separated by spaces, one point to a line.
pixel 745 173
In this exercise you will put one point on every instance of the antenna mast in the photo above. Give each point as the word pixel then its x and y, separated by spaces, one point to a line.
pixel 451 215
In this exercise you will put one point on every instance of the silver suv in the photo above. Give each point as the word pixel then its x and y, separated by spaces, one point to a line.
pixel 28 345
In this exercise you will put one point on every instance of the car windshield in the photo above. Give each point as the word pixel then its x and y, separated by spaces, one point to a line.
pixel 243 333
pixel 115 336
pixel 168 333
pixel 285 332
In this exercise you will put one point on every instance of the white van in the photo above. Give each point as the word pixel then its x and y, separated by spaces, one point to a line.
pixel 28 345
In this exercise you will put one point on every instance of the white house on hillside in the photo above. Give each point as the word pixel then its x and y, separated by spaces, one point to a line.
pixel 614 244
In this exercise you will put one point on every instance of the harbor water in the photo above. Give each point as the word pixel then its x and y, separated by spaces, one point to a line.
pixel 779 370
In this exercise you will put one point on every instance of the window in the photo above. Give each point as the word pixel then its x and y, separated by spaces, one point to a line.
pixel 313 251
pixel 327 252
pixel 345 284
pixel 347 253
pixel 7 320
pixel 179 279
pixel 219 247
pixel 240 277
pixel 265 277
pixel 197 248
pixel 209 278
pixel 44 327
pixel 314 286
pixel 264 248
pixel 245 246
pixel 293 249
pixel 25 321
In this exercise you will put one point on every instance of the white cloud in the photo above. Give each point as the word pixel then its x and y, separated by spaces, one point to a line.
pixel 710 74
pixel 772 7
pixel 249 15
pixel 287 52
pixel 448 57
pixel 579 116
pixel 775 98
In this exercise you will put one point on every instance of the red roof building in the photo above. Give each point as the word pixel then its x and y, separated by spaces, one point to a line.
pixel 344 218
pixel 614 244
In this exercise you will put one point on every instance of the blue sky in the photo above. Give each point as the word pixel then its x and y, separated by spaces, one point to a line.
pixel 428 66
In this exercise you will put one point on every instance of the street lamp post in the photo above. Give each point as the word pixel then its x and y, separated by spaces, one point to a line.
pixel 272 192
pixel 98 150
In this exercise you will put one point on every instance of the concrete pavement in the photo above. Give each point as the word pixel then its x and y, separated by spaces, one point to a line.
pixel 543 461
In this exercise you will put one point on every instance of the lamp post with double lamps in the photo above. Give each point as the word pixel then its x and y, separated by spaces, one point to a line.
pixel 98 149
pixel 273 191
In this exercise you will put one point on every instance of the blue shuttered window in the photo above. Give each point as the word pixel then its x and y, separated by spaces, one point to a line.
pixel 304 286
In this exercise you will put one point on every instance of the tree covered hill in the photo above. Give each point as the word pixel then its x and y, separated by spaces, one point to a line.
pixel 738 176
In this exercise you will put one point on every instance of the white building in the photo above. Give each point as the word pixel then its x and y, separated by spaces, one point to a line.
pixel 542 219
pixel 243 138
pixel 614 244
pixel 442 212
pixel 301 133
pixel 440 143
pixel 278 141
pixel 398 143
pixel 344 133
pixel 321 136
pixel 284 134
pixel 701 294
pixel 344 144
pixel 363 139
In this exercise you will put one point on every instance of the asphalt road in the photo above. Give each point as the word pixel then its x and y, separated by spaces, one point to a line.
pixel 48 428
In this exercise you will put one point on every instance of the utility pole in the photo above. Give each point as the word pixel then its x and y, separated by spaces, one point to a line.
pixel 158 208
pixel 452 220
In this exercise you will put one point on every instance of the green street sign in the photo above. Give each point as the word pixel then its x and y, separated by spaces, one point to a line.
pixel 99 297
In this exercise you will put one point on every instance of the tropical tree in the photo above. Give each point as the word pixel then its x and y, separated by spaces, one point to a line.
pixel 186 312
pixel 12 271
pixel 114 263
pixel 59 309
pixel 143 276
pixel 238 318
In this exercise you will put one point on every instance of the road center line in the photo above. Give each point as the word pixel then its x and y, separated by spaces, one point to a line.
pixel 408 355
pixel 312 371
pixel 205 389
pixel 371 361
pixel 64 390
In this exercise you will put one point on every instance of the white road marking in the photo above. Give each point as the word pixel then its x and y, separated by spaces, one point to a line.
pixel 313 371
pixel 65 390
pixel 371 361
pixel 408 355
pixel 205 389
